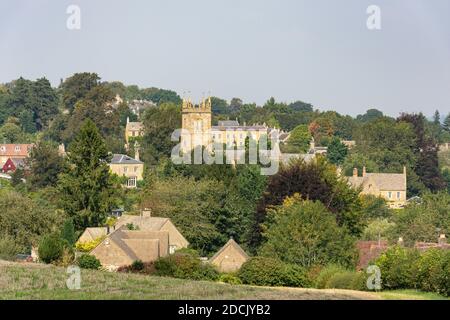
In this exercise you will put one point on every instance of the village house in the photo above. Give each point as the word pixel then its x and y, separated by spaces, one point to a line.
pixel 12 164
pixel 126 166
pixel 390 186
pixel 132 238
pixel 229 258
pixel 122 247
pixel 14 151
pixel 133 130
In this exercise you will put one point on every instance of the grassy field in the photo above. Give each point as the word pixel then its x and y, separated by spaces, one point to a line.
pixel 34 281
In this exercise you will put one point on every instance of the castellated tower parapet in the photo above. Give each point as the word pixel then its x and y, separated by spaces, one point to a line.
pixel 203 107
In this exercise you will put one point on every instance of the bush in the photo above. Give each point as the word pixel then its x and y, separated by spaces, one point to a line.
pixel 145 268
pixel 89 245
pixel 51 248
pixel 271 272
pixel 325 274
pixel 350 280
pixel 137 265
pixel 8 248
pixel 397 268
pixel 428 268
pixel 86 261
pixel 229 278
pixel 185 266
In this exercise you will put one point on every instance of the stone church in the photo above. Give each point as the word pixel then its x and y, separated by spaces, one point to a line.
pixel 198 130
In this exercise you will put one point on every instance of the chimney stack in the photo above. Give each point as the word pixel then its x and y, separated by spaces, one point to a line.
pixel 400 241
pixel 364 171
pixel 404 170
pixel 146 213
pixel 442 240
pixel 355 172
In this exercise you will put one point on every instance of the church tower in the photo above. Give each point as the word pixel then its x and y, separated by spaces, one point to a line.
pixel 196 120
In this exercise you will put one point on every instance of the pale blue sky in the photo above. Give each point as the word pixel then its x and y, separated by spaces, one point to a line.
pixel 317 51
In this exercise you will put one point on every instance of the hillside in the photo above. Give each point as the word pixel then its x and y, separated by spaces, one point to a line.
pixel 37 281
pixel 34 281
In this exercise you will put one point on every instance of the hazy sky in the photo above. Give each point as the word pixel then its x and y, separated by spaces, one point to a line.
pixel 317 51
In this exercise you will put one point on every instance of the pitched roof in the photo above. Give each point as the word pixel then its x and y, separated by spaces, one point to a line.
pixel 233 244
pixel 15 150
pixel 134 126
pixel 136 244
pixel 228 123
pixel 384 181
pixel 95 233
pixel 144 223
pixel 124 159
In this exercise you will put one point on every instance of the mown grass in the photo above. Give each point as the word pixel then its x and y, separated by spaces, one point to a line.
pixel 410 295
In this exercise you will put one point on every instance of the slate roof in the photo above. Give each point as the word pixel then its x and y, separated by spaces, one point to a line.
pixel 228 123
pixel 124 159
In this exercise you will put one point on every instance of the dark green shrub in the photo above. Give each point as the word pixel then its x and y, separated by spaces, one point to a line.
pixel 51 248
pixel 325 274
pixel 229 278
pixel 87 261
pixel 137 265
pixel 68 232
pixel 271 272
pixel 397 268
pixel 185 266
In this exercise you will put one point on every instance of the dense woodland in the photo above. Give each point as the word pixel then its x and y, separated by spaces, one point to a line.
pixel 269 216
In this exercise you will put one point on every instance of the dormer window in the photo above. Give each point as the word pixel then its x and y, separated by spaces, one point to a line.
pixel 17 148
pixel 3 148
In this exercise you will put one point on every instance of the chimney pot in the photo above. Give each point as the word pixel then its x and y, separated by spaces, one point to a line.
pixel 364 171
pixel 355 172
pixel 442 239
pixel 400 241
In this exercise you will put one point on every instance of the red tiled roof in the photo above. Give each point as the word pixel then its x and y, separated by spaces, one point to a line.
pixel 15 150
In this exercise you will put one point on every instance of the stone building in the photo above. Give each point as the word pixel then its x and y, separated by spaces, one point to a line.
pixel 229 258
pixel 125 166
pixel 133 130
pixel 198 130
pixel 390 186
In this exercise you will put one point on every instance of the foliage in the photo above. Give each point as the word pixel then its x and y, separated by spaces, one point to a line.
pixel 306 233
pixel 409 269
pixel 337 152
pixel 8 248
pixel 299 139
pixel 350 280
pixel 45 164
pixel 77 87
pixel 25 220
pixel 378 229
pixel 321 280
pixel 68 232
pixel 317 181
pixel 51 248
pixel 230 279
pixel 262 271
pixel 185 266
pixel 88 246
pixel 159 124
pixel 87 189
pixel 395 266
pixel 423 221
pixel 86 261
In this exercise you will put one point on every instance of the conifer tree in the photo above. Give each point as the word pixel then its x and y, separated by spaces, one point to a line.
pixel 87 188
